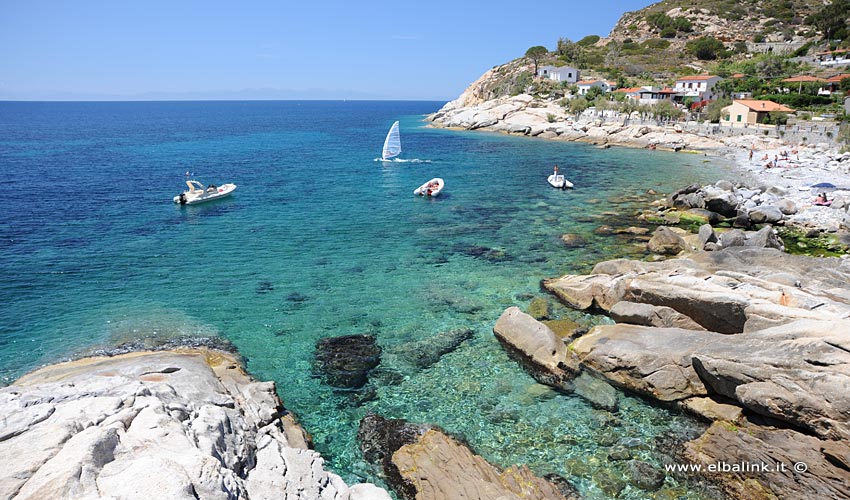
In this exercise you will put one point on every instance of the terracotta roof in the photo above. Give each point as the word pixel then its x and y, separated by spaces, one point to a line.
pixel 630 90
pixel 738 75
pixel 838 78
pixel 696 77
pixel 803 78
pixel 668 90
pixel 757 105
pixel 587 82
pixel 839 51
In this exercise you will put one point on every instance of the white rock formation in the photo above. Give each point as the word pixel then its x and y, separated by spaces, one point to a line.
pixel 156 425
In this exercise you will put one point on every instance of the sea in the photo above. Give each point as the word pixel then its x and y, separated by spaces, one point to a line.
pixel 321 240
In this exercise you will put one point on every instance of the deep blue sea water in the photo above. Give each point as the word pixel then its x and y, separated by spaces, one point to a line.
pixel 320 240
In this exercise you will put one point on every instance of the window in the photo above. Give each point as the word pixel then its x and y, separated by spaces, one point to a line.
pixel 739 117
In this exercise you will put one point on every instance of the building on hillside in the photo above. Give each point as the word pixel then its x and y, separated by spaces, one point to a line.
pixel 652 95
pixel 745 112
pixel 697 87
pixel 584 86
pixel 630 92
pixel 838 57
pixel 833 84
pixel 558 73
pixel 847 105
pixel 796 83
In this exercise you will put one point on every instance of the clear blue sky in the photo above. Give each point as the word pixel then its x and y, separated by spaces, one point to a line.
pixel 299 49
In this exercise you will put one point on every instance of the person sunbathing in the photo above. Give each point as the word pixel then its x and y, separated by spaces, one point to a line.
pixel 822 200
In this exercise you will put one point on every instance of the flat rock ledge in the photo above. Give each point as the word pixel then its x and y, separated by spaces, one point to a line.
pixel 422 462
pixel 183 424
pixel 755 340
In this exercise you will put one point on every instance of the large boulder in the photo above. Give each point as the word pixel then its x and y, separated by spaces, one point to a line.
pixel 654 362
pixel 535 346
pixel 422 462
pixel 177 425
pixel 766 214
pixel 755 461
pixel 721 201
pixel 798 373
pixel 666 242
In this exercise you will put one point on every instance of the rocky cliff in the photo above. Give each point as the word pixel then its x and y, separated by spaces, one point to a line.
pixel 175 424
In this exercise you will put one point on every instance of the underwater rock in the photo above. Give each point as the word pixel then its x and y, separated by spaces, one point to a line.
pixel 422 462
pixel 345 361
pixel 424 353
pixel 645 476
pixel 539 309
pixel 573 240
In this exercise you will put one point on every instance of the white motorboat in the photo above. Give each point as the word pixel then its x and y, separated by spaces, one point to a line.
pixel 559 181
pixel 430 188
pixel 197 193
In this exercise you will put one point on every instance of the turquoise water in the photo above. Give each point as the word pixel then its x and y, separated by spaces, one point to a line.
pixel 320 240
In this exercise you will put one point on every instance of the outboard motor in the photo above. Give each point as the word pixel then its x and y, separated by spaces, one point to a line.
pixel 182 198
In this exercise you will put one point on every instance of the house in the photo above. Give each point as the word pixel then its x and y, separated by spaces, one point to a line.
pixel 744 112
pixel 630 92
pixel 697 87
pixel 558 73
pixel 833 84
pixel 585 85
pixel 796 83
pixel 652 95
pixel 834 57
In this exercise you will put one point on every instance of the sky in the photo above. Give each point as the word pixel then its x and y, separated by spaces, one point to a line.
pixel 285 49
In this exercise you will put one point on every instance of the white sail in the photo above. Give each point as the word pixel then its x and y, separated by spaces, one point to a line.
pixel 392 144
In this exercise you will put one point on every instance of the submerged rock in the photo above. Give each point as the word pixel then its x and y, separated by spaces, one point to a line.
pixel 178 425
pixel 345 361
pixel 424 353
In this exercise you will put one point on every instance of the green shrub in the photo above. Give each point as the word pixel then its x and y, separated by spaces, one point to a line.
pixel 799 100
pixel 588 40
pixel 706 48
pixel 668 33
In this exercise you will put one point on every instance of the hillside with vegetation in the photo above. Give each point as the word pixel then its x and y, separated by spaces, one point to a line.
pixel 759 42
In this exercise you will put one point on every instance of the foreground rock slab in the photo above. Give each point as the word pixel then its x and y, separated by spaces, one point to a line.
pixel 176 425
pixel 424 463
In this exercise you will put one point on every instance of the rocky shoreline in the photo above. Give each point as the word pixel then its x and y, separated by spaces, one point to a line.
pixel 794 170
pixel 751 339
pixel 183 424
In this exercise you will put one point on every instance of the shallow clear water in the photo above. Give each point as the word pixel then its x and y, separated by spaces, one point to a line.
pixel 321 240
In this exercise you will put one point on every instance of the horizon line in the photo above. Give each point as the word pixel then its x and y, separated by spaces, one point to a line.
pixel 224 100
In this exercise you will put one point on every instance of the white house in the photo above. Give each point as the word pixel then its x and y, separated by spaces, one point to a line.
pixel 698 87
pixel 585 85
pixel 558 73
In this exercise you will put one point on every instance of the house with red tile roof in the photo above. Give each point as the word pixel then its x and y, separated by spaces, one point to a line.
pixel 585 85
pixel 750 111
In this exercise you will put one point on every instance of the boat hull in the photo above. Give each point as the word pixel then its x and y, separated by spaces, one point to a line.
pixel 559 182
pixel 430 188
pixel 195 197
